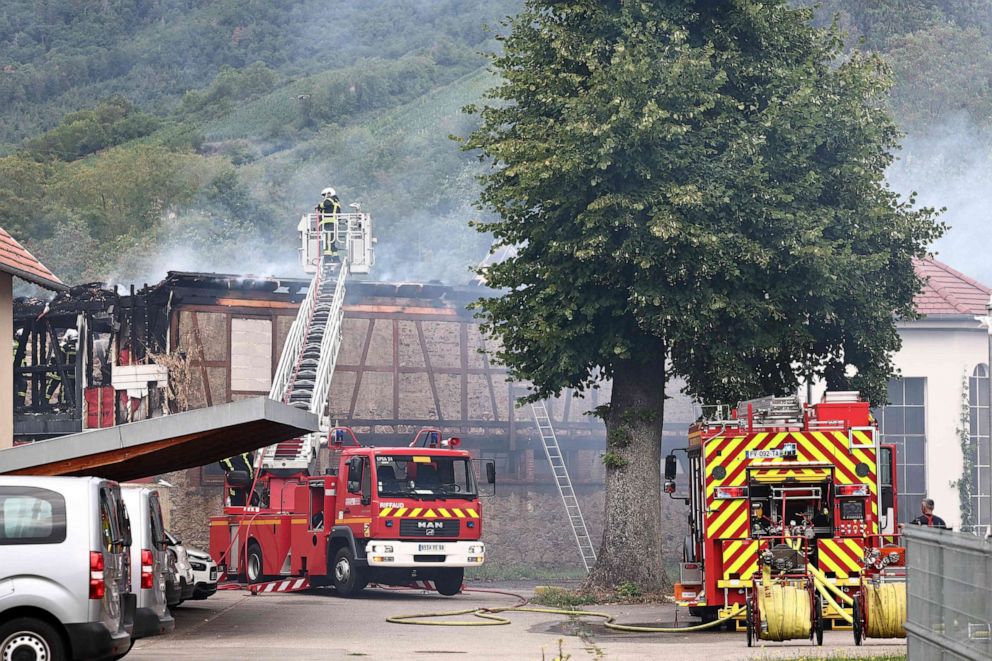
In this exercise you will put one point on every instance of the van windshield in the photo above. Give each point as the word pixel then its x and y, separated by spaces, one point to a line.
pixel 415 476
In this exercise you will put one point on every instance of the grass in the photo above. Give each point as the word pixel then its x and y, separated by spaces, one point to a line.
pixel 845 657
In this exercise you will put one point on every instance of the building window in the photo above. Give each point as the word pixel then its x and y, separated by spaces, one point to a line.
pixel 978 435
pixel 903 423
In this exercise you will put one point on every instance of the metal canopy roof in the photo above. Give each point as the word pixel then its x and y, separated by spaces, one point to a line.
pixel 159 445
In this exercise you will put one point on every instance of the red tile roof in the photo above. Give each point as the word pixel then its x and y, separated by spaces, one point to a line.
pixel 949 292
pixel 14 259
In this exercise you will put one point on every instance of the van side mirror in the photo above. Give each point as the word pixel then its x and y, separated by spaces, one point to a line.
pixel 491 472
pixel 671 466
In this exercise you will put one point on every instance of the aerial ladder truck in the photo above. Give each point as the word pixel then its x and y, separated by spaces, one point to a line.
pixel 377 515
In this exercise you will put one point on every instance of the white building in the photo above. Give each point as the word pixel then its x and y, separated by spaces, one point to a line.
pixel 939 406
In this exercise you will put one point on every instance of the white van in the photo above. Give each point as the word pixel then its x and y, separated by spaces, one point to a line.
pixel 62 569
pixel 148 562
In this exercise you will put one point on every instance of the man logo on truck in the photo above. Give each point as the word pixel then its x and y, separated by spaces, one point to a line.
pixel 430 527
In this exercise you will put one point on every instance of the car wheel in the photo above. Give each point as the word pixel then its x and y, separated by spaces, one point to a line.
pixel 30 638
pixel 253 564
pixel 348 579
pixel 449 581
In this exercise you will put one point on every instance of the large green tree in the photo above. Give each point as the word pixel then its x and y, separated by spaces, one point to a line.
pixel 696 190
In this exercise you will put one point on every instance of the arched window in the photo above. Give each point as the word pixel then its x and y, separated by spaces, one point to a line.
pixel 978 435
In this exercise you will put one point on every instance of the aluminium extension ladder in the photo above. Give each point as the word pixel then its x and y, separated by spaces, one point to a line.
pixel 549 441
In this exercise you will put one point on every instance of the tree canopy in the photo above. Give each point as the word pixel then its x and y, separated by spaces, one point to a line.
pixel 695 189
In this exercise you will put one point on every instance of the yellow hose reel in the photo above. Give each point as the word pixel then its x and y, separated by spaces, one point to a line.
pixel 880 611
pixel 783 608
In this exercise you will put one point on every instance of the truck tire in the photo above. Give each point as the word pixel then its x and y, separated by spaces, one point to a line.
pixel 31 638
pixel 348 578
pixel 449 581
pixel 254 567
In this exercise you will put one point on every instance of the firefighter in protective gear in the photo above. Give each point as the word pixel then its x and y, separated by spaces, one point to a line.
pixel 327 212
pixel 238 495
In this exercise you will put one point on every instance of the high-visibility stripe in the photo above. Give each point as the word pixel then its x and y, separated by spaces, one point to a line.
pixel 841 556
pixel 416 511
pixel 741 558
pixel 400 512
pixel 472 513
pixel 358 520
pixel 458 513
pixel 429 514
pixel 385 511
pixel 443 512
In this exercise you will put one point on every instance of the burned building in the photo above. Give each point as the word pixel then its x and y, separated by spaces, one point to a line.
pixel 412 356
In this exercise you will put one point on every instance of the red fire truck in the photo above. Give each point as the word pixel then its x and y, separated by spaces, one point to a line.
pixel 772 472
pixel 387 515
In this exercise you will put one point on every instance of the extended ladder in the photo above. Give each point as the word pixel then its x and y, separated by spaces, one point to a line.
pixel 549 440
pixel 309 355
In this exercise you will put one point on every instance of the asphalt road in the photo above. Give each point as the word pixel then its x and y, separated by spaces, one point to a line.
pixel 318 625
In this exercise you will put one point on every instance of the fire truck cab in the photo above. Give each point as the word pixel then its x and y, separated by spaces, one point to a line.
pixel 773 475
pixel 389 515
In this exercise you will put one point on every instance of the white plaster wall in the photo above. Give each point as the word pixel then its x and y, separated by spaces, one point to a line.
pixel 944 356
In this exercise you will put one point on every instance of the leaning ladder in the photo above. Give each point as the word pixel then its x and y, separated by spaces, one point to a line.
pixel 553 452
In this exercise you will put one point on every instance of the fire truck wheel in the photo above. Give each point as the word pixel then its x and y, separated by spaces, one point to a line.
pixel 348 579
pixel 253 565
pixel 449 581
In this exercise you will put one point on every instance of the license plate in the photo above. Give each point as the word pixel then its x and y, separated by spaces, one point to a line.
pixel 430 547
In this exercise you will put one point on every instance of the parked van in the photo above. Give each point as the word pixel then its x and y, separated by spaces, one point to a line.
pixel 62 569
pixel 148 562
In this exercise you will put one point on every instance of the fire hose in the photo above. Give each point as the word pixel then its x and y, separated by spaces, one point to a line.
pixel 490 617
pixel 885 607
pixel 785 611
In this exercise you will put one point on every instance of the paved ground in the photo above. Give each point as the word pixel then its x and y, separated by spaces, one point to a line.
pixel 319 625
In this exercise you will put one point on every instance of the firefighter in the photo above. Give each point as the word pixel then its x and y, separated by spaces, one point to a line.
pixel 237 496
pixel 928 518
pixel 327 211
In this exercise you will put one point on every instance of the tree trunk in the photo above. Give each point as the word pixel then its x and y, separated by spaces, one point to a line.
pixel 631 550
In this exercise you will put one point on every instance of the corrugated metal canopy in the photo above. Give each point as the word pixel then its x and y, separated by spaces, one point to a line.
pixel 174 442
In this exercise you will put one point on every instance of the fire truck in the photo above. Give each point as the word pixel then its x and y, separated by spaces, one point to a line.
pixel 383 515
pixel 772 474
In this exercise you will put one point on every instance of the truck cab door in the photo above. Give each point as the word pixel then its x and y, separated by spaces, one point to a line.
pixel 356 511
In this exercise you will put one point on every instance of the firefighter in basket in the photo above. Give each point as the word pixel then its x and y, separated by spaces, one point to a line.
pixel 327 215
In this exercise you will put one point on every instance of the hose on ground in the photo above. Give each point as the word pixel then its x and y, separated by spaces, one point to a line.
pixel 489 618
pixel 785 611
pixel 885 610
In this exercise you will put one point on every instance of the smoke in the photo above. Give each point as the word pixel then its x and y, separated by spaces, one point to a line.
pixel 951 166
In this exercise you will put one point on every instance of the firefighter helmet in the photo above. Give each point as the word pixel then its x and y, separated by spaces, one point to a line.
pixel 328 192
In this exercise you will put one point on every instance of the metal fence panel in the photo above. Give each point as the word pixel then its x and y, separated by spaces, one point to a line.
pixel 950 595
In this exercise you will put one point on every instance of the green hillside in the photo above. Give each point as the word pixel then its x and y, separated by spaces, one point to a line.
pixel 139 136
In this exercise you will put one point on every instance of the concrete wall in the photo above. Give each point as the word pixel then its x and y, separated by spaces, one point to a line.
pixel 7 364
pixel 943 352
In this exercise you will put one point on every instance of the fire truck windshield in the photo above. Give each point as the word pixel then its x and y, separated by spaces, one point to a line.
pixel 413 476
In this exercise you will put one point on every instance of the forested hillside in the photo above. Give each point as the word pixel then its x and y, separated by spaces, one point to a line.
pixel 143 135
